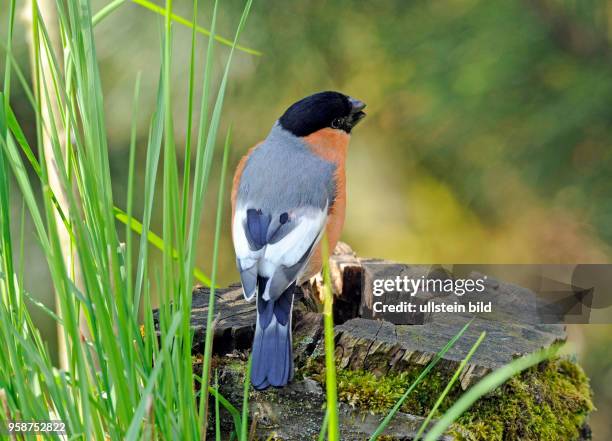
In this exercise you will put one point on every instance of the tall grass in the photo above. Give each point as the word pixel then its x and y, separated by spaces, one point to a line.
pixel 118 384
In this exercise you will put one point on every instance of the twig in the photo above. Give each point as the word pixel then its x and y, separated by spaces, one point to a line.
pixel 7 411
pixel 253 428
pixel 204 389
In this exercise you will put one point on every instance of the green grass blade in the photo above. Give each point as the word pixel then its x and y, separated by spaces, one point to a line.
pixel 450 384
pixel 6 252
pixel 130 193
pixel 130 317
pixel 106 11
pixel 151 166
pixel 156 241
pixel 178 19
pixel 188 134
pixel 17 132
pixel 416 382
pixel 211 298
pixel 217 417
pixel 244 431
pixel 324 424
pixel 234 412
pixel 486 385
pixel 136 424
pixel 20 173
pixel 111 7
pixel 8 58
pixel 42 307
pixel 330 346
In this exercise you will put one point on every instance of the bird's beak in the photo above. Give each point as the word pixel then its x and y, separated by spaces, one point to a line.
pixel 357 113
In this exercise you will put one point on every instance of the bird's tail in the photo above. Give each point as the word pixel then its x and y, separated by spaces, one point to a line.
pixel 272 363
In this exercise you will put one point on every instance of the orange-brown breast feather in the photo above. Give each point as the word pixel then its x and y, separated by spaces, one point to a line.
pixel 331 145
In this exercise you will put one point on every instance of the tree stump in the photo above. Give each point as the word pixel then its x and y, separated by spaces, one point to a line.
pixel 371 353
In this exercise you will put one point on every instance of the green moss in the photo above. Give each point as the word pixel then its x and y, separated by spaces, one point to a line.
pixel 547 402
pixel 364 390
pixel 235 366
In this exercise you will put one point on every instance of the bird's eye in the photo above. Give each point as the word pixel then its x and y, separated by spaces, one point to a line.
pixel 337 123
pixel 284 218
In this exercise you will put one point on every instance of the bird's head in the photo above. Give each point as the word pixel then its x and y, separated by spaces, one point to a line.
pixel 323 110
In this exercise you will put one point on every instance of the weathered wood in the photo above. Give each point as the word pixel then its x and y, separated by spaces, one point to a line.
pixel 345 271
pixel 235 325
pixel 382 347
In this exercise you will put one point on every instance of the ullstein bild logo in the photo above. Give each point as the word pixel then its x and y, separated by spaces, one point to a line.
pixel 537 294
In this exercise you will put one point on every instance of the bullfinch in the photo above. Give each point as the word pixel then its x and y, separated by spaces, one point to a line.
pixel 287 191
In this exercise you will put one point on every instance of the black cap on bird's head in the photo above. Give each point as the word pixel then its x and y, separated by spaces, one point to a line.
pixel 322 110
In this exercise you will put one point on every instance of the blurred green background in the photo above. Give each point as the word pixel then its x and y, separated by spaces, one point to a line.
pixel 488 137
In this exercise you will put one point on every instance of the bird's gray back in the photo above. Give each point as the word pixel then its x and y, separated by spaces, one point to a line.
pixel 282 174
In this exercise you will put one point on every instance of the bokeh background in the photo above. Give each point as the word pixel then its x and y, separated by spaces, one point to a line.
pixel 488 137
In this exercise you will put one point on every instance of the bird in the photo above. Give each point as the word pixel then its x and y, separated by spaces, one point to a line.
pixel 287 191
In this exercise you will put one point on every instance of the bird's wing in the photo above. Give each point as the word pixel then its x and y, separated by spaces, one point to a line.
pixel 274 247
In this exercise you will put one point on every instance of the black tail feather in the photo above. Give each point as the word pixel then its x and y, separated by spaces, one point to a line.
pixel 272 363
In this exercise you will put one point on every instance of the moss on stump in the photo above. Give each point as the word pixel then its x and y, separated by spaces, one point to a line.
pixel 550 401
